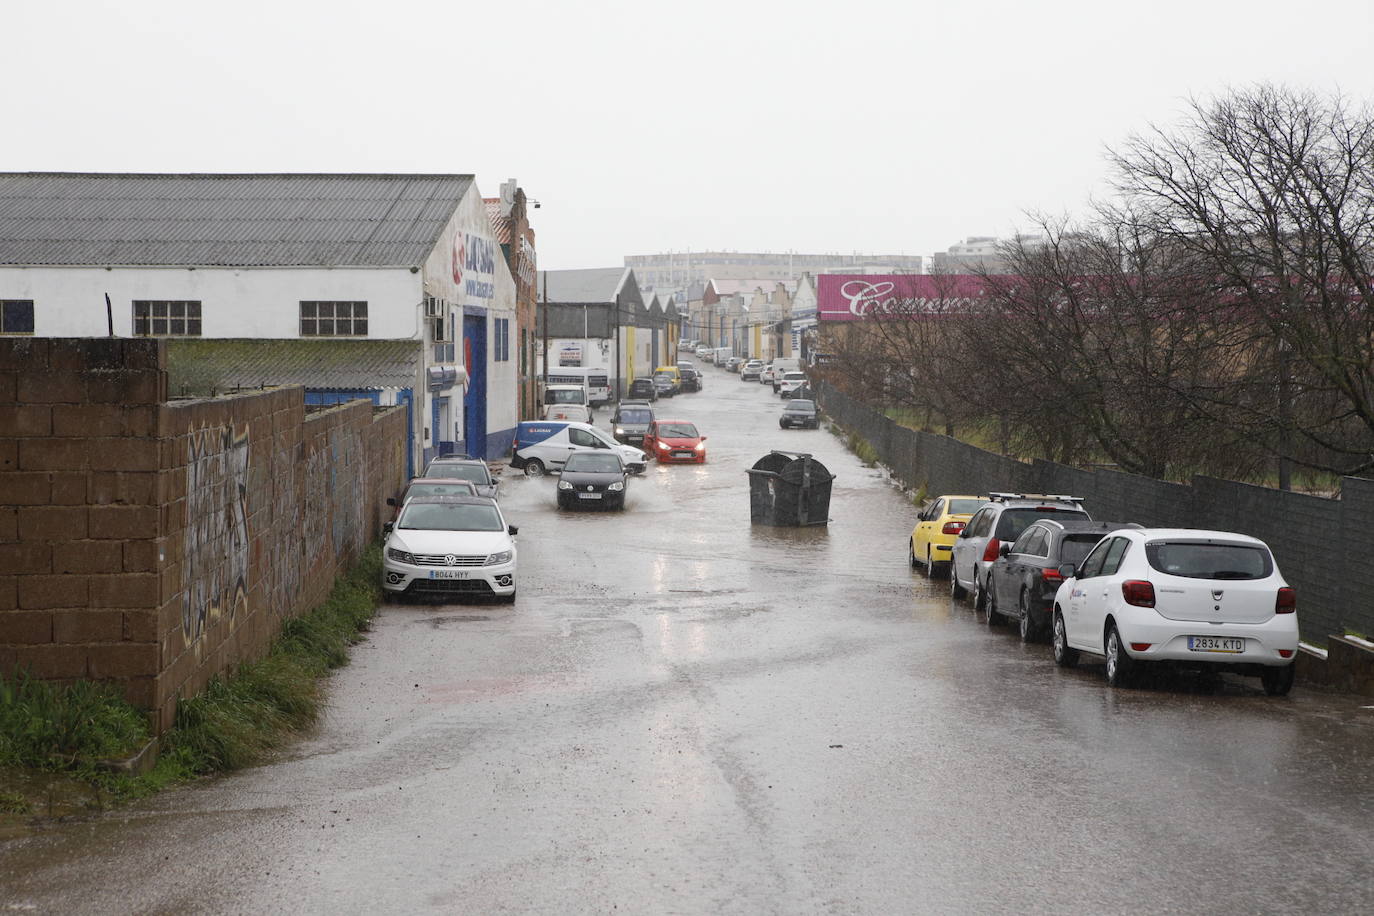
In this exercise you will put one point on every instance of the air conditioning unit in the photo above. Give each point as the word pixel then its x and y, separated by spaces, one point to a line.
pixel 434 308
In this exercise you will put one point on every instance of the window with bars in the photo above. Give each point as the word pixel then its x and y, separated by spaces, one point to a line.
pixel 16 316
pixel 166 318
pixel 333 319
pixel 501 345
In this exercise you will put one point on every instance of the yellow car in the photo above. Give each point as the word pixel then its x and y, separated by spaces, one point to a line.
pixel 937 527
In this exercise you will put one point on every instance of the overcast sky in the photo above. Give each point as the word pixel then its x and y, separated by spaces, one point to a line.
pixel 893 127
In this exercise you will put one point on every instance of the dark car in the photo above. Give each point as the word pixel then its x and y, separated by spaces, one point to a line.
pixel 799 412
pixel 691 378
pixel 631 421
pixel 664 385
pixel 642 388
pixel 1025 576
pixel 592 479
pixel 464 468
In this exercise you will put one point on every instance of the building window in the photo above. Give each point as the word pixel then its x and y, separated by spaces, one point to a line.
pixel 16 316
pixel 166 318
pixel 501 345
pixel 333 319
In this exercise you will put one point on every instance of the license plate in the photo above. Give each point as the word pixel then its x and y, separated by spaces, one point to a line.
pixel 448 574
pixel 683 454
pixel 588 495
pixel 1230 645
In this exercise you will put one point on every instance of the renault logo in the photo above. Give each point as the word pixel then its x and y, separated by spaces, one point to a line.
pixel 450 560
pixel 1216 594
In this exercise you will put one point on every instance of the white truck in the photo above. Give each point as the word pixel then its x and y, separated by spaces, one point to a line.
pixel 566 402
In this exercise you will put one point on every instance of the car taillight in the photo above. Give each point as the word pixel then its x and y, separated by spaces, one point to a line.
pixel 1138 592
pixel 952 528
pixel 1140 646
pixel 990 552
pixel 1285 653
pixel 1051 575
pixel 1287 601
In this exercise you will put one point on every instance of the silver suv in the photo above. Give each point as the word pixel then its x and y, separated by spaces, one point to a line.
pixel 1002 519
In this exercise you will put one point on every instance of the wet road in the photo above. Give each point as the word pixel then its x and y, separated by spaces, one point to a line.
pixel 684 714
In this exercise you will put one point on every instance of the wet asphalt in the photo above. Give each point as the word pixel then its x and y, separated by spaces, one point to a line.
pixel 686 714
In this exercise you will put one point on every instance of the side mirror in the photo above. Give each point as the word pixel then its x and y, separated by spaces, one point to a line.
pixel 512 529
pixel 703 438
pixel 391 500
pixel 1067 571
pixel 1003 549
pixel 388 527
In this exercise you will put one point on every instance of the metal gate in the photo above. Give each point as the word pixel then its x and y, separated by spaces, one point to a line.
pixel 475 398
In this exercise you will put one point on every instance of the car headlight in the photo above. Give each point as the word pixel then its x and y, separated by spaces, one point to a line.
pixel 564 485
pixel 400 556
pixel 701 446
pixel 617 486
pixel 620 431
pixel 665 446
pixel 497 559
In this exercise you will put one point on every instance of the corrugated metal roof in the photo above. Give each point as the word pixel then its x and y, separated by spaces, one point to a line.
pixel 592 284
pixel 109 219
pixel 199 367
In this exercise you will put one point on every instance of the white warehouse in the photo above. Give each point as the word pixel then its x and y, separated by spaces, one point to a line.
pixel 317 264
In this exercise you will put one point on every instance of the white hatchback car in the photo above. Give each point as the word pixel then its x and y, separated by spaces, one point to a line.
pixel 1183 596
pixel 450 545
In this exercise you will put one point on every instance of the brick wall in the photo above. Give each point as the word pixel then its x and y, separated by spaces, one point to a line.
pixel 1320 544
pixel 159 544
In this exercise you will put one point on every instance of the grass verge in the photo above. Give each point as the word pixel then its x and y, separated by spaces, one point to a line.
pixel 68 730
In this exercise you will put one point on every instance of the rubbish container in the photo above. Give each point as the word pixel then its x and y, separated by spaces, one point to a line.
pixel 789 488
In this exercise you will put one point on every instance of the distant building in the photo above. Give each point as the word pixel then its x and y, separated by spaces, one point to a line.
pixel 679 270
pixel 976 253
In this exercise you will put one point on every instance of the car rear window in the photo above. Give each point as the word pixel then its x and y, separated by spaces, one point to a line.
pixel 1077 546
pixel 1014 521
pixel 474 472
pixel 1203 560
pixel 965 506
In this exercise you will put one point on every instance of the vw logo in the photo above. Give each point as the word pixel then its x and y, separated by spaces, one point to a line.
pixel 1216 594
pixel 589 488
pixel 450 560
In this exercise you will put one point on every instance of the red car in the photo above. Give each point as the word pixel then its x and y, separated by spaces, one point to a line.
pixel 675 441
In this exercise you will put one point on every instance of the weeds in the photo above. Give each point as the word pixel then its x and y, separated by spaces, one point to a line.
pixel 231 724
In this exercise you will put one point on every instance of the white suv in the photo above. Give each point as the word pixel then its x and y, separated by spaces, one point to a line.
pixel 1179 595
pixel 447 545
pixel 1002 519
pixel 790 382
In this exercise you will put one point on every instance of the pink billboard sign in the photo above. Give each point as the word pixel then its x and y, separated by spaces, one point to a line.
pixel 850 297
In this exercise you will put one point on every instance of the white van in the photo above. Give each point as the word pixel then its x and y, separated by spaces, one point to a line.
pixel 542 446
pixel 567 402
pixel 781 366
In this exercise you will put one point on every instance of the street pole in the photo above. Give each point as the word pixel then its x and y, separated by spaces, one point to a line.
pixel 546 336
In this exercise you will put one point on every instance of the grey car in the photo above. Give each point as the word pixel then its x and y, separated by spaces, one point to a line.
pixel 1003 518
pixel 465 468
pixel 631 421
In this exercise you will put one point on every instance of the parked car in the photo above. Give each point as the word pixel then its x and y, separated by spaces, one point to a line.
pixel 1186 597
pixel 789 383
pixel 542 446
pixel 733 363
pixel 702 352
pixel 799 412
pixel 691 378
pixel 465 468
pixel 592 479
pixel 642 388
pixel 673 373
pixel 631 421
pixel 781 366
pixel 1025 577
pixel 664 385
pixel 567 402
pixel 938 526
pixel 749 372
pixel 672 441
pixel 766 374
pixel 1003 519
pixel 446 545
pixel 431 486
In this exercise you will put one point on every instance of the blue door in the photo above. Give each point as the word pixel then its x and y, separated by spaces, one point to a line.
pixel 475 399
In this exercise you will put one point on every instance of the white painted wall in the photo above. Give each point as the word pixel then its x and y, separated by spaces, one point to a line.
pixel 235 302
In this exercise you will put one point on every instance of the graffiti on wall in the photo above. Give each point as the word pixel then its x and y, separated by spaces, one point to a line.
pixel 284 543
pixel 215 539
pixel 333 525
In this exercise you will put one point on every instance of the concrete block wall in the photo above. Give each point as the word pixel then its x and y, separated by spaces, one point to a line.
pixel 158 544
pixel 1321 545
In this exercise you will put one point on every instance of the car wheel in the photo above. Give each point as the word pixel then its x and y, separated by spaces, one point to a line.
pixel 1064 656
pixel 1029 630
pixel 930 565
pixel 911 554
pixel 534 468
pixel 1278 681
pixel 781 425
pixel 1119 664
pixel 994 617
pixel 956 591
pixel 980 595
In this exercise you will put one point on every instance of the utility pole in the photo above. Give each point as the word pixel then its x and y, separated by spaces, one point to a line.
pixel 546 334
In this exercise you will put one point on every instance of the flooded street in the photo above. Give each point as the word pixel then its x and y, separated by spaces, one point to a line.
pixel 685 713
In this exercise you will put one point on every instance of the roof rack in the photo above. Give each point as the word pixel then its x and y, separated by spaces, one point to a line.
pixel 1003 497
